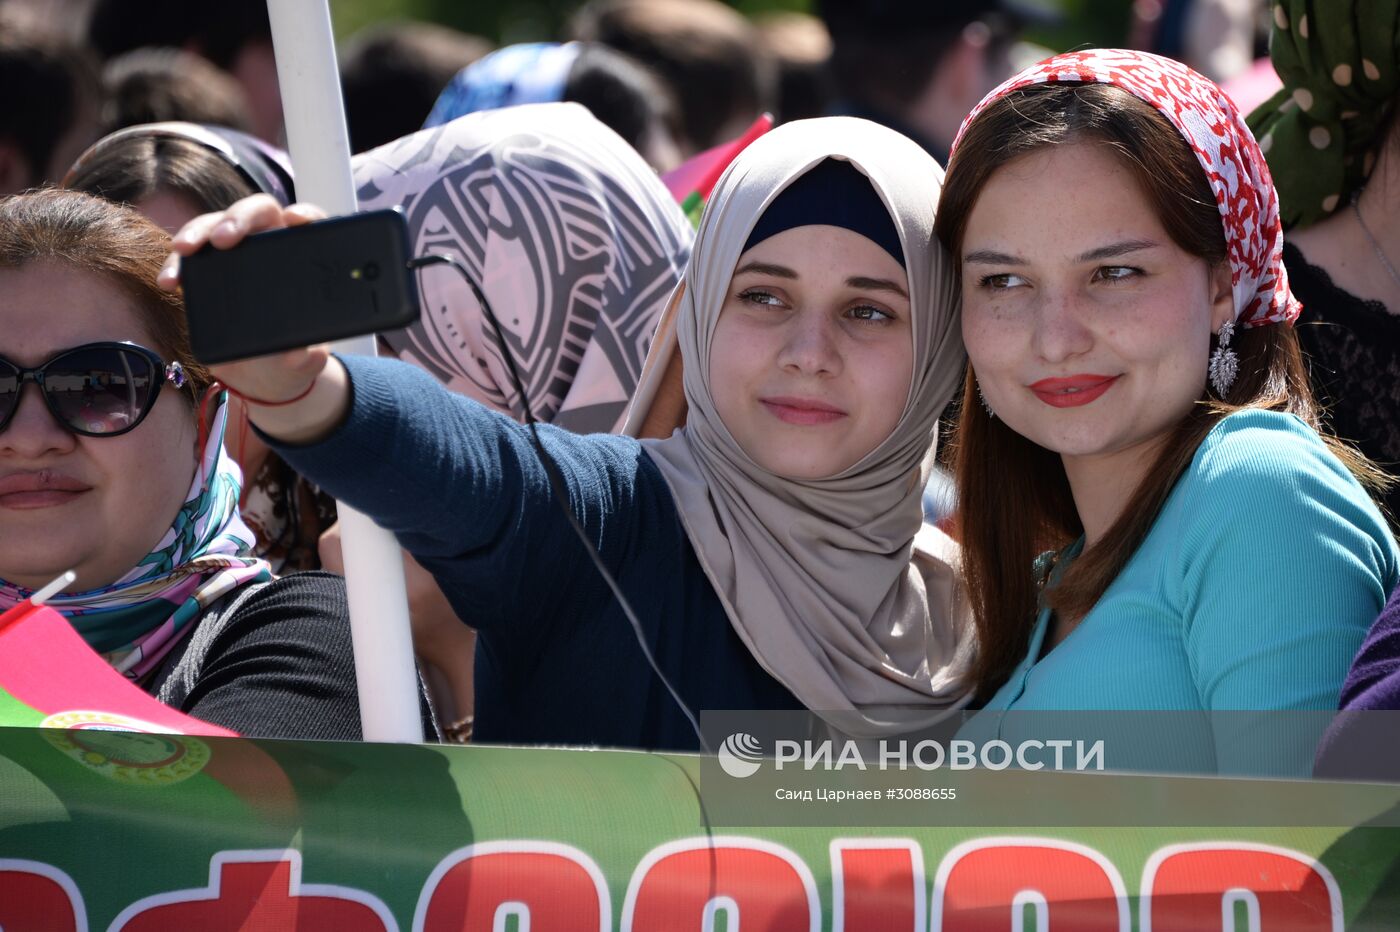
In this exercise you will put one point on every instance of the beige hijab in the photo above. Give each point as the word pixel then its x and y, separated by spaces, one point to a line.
pixel 835 585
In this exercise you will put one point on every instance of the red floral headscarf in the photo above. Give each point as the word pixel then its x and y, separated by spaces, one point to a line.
pixel 1209 122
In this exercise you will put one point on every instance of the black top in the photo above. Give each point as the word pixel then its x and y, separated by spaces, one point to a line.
pixel 1353 349
pixel 270 661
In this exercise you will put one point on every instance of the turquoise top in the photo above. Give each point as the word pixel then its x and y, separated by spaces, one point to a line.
pixel 1253 589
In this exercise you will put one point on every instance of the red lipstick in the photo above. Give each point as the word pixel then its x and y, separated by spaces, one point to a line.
pixel 1073 390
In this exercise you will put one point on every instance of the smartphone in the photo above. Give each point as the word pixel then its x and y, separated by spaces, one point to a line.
pixel 299 286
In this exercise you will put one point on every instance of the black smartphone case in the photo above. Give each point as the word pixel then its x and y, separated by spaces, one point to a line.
pixel 299 286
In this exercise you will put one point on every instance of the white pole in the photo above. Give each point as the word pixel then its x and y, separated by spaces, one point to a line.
pixel 320 149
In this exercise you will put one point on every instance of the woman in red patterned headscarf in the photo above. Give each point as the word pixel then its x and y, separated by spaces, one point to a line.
pixel 1144 422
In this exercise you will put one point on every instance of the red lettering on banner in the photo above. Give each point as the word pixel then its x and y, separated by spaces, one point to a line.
pixel 37 897
pixel 253 891
pixel 877 885
pixel 687 884
pixel 989 884
pixel 1187 888
pixel 548 887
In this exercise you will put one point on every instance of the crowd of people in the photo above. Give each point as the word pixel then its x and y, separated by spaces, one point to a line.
pixel 1138 346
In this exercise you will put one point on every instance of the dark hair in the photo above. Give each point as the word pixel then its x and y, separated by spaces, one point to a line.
pixel 392 73
pixel 705 51
pixel 138 167
pixel 1014 498
pixel 622 93
pixel 801 47
pixel 156 85
pixel 50 84
pixel 86 232
pixel 1386 143
pixel 887 72
pixel 885 61
pixel 218 31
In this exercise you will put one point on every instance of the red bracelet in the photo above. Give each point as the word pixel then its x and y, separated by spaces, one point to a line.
pixel 217 386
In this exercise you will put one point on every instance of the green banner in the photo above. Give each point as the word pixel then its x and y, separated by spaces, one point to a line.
pixel 138 832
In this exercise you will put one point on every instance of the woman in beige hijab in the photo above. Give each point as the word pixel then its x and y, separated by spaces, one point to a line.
pixel 772 548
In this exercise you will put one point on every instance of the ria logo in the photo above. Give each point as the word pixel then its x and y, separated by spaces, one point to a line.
pixel 740 755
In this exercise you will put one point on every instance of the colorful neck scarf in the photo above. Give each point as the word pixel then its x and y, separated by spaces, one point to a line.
pixel 1224 146
pixel 571 236
pixel 530 73
pixel 1340 65
pixel 136 620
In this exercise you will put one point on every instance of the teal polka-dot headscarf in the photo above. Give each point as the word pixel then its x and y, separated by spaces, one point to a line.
pixel 1340 65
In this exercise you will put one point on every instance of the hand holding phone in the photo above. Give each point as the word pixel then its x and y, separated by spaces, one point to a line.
pixel 285 374
pixel 280 289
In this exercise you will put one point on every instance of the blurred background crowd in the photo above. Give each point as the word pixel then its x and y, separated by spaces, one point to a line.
pixel 672 77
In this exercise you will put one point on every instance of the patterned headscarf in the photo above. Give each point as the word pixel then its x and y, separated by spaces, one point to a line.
pixel 1223 144
pixel 572 237
pixel 136 620
pixel 1340 65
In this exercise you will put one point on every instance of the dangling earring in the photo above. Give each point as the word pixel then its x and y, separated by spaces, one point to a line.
pixel 983 398
pixel 1224 364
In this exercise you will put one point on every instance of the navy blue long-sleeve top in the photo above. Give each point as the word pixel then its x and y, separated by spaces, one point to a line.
pixel 557 661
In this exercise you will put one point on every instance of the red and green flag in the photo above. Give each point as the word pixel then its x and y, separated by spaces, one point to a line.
pixel 691 182
pixel 50 678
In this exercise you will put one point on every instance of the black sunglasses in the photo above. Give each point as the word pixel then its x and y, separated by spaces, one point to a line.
pixel 96 390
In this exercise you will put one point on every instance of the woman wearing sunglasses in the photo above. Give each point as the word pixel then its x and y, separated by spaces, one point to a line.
pixel 108 469
pixel 172 172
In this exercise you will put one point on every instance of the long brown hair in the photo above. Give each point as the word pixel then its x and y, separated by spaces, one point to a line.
pixel 1014 498
pixel 81 231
